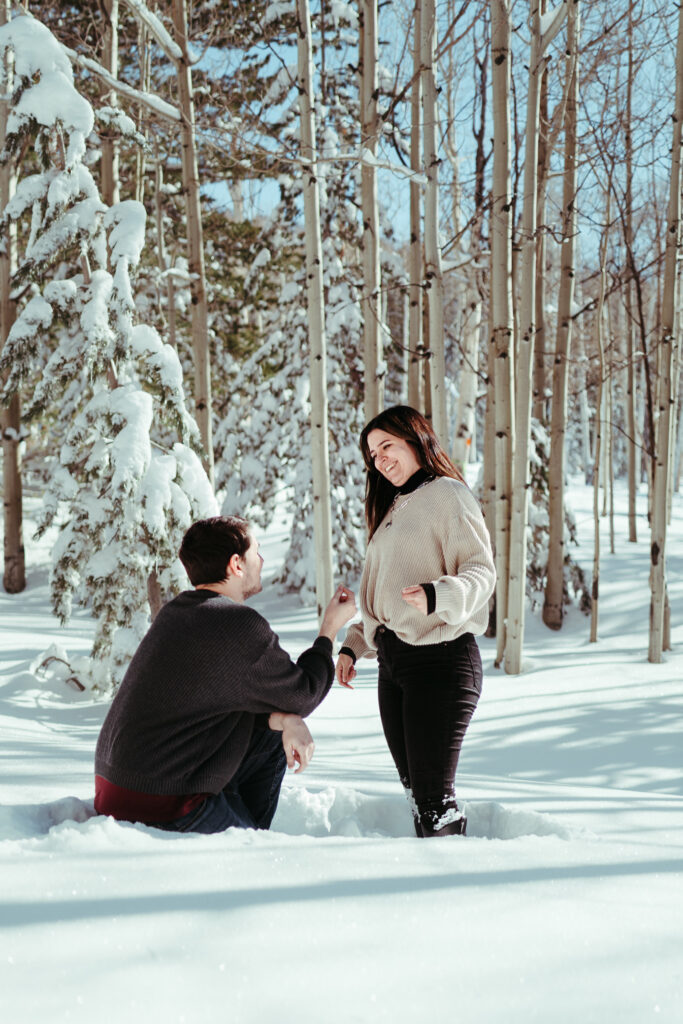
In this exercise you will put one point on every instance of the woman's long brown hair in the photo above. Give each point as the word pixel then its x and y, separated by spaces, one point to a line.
pixel 410 425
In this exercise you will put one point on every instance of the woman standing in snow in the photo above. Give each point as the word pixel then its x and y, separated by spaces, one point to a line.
pixel 424 525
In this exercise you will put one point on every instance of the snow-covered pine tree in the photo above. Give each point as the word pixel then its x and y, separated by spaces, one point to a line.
pixel 123 488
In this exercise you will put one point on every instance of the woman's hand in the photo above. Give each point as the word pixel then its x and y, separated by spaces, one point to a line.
pixel 345 670
pixel 416 597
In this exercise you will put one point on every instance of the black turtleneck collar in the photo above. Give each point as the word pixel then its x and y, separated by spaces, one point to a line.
pixel 413 482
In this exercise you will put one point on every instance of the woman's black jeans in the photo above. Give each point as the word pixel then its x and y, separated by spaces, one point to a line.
pixel 427 696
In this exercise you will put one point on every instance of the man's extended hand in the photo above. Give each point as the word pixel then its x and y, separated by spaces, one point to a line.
pixel 296 739
pixel 339 611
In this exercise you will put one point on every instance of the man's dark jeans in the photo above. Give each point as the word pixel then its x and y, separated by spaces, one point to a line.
pixel 427 696
pixel 250 798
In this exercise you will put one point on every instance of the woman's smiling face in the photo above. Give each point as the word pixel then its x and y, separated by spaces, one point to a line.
pixel 393 457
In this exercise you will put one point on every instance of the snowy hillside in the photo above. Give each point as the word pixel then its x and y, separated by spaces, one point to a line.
pixel 563 904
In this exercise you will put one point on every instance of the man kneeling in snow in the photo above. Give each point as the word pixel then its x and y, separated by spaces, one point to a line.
pixel 207 716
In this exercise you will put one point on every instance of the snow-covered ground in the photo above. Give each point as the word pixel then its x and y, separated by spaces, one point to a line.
pixel 563 904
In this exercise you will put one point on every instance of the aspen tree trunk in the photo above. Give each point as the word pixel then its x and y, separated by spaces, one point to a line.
pixel 488 501
pixel 610 459
pixel 467 386
pixel 415 373
pixel 605 413
pixel 675 377
pixel 162 257
pixel 467 297
pixel 145 66
pixel 110 149
pixel 502 339
pixel 679 440
pixel 199 303
pixel 525 353
pixel 609 476
pixel 433 272
pixel 632 448
pixel 599 324
pixel 322 521
pixel 586 456
pixel 426 362
pixel 370 303
pixel 668 346
pixel 552 608
pixel 539 398
pixel 405 348
pixel 14 571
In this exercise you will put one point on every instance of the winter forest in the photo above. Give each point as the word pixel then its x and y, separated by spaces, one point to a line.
pixel 232 232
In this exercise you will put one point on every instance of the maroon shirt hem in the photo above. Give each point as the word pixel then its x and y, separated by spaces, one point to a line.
pixel 147 808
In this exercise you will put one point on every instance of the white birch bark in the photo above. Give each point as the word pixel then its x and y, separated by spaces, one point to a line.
pixel 415 365
pixel 405 350
pixel 631 420
pixel 370 303
pixel 145 71
pixel 668 345
pixel 675 377
pixel 433 271
pixel 14 570
pixel 539 398
pixel 502 338
pixel 195 255
pixel 586 456
pixel 463 440
pixel 162 256
pixel 524 368
pixel 600 344
pixel 488 498
pixel 322 517
pixel 678 459
pixel 552 607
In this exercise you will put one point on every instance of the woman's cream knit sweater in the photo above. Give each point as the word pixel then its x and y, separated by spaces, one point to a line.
pixel 434 534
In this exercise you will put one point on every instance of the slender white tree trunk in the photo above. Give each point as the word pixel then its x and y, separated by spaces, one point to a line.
pixel 322 516
pixel 162 256
pixel 433 271
pixel 14 572
pixel 631 420
pixel 524 367
pixel 599 337
pixel 195 242
pixel 405 349
pixel 370 303
pixel 585 428
pixel 488 498
pixel 668 345
pixel 502 338
pixel 678 459
pixel 145 71
pixel 539 399
pixel 675 376
pixel 552 608
pixel 467 385
pixel 415 365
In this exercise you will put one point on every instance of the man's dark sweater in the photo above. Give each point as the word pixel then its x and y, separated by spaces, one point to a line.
pixel 183 716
